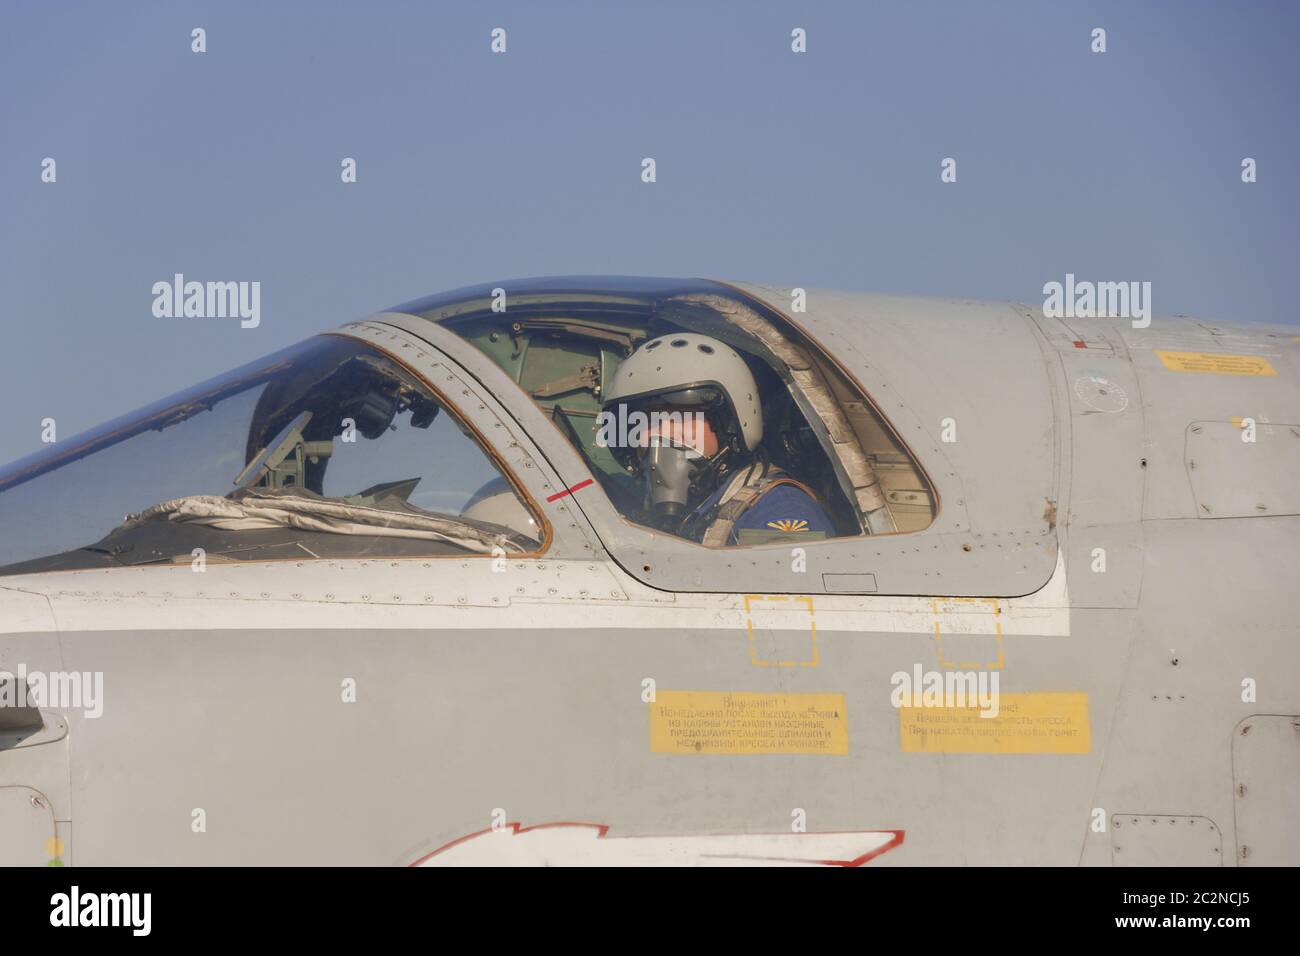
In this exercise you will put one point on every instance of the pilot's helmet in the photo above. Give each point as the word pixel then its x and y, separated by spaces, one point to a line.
pixel 692 372
pixel 687 372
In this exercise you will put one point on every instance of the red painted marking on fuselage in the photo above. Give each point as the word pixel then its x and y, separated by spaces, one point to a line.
pixel 568 491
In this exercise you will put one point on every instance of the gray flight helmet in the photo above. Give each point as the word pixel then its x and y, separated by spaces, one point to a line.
pixel 685 369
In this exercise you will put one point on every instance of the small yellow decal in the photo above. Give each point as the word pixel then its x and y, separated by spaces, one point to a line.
pixel 789 524
pixel 1039 723
pixel 1216 364
pixel 723 722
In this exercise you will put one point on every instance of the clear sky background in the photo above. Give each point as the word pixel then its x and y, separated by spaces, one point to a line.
pixel 819 169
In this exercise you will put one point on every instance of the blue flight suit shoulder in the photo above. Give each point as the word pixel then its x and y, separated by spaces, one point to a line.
pixel 786 507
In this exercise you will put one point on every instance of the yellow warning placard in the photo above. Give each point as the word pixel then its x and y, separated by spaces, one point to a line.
pixel 1216 364
pixel 1039 723
pixel 742 722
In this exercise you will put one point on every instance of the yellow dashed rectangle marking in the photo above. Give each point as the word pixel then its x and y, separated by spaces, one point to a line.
pixel 1038 723
pixel 742 722
pixel 1210 363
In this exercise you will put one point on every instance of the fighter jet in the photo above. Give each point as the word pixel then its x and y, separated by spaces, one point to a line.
pixel 670 572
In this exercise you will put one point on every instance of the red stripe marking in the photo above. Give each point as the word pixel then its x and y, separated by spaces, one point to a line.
pixel 568 491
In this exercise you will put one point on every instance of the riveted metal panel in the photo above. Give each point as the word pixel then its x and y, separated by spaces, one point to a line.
pixel 1144 839
pixel 1100 513
pixel 1266 784
pixel 1244 471
pixel 1175 396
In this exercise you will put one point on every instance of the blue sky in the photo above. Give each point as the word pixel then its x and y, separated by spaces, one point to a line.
pixel 819 169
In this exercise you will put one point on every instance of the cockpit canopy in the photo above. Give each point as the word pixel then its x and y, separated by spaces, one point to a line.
pixel 333 448
pixel 327 449
pixel 562 341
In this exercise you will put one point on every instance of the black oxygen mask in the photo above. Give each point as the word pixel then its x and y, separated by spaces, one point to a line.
pixel 667 467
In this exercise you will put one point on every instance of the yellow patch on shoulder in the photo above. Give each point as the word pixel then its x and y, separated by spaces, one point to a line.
pixel 789 524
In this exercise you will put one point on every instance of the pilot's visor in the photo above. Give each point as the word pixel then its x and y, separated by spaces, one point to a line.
pixel 696 397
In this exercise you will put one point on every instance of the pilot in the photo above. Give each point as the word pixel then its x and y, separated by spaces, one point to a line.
pixel 696 446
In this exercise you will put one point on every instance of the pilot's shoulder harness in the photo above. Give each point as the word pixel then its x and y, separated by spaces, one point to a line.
pixel 744 490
